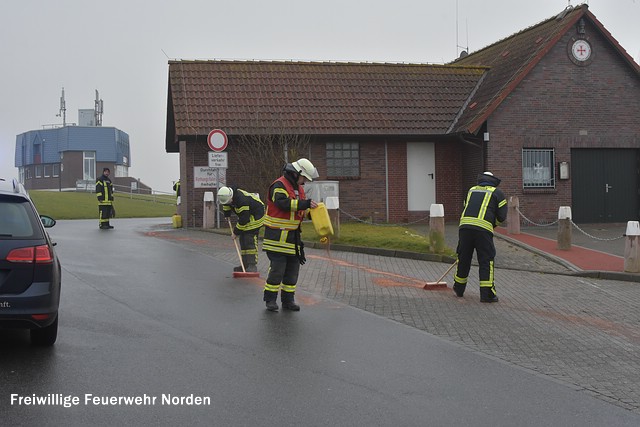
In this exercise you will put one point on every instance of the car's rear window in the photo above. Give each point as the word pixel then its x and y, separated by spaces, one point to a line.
pixel 17 219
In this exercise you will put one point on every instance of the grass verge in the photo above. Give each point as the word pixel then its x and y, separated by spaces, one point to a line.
pixel 80 205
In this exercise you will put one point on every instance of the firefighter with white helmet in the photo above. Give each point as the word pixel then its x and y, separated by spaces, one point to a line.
pixel 286 208
pixel 250 211
pixel 484 208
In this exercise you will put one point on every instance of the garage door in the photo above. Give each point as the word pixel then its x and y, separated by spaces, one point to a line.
pixel 604 185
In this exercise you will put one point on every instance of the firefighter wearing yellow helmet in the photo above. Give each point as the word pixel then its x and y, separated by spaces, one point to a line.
pixel 286 208
pixel 250 211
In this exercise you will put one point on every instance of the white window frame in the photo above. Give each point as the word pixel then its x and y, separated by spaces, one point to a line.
pixel 89 165
pixel 538 168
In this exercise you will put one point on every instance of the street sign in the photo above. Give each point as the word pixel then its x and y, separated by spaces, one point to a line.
pixel 217 140
pixel 217 160
pixel 204 177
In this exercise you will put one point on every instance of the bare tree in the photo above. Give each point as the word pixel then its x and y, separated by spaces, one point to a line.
pixel 262 154
pixel 262 157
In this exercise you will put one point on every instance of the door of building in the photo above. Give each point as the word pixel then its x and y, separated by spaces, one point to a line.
pixel 604 185
pixel 421 177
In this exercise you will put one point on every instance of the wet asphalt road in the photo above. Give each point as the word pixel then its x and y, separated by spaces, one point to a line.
pixel 145 317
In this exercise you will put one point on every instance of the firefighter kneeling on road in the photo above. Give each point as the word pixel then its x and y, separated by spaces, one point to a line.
pixel 484 208
pixel 286 208
pixel 250 211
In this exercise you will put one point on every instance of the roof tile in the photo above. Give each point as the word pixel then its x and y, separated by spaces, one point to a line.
pixel 318 97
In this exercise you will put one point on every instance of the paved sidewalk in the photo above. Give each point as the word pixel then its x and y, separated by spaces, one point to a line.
pixel 584 332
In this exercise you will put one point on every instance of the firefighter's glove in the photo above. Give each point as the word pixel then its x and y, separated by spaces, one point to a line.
pixel 301 256
pixel 300 249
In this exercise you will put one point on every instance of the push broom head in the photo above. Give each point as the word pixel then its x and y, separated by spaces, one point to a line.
pixel 243 274
pixel 435 285
pixel 439 284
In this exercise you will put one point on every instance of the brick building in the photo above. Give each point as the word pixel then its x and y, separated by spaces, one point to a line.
pixel 552 110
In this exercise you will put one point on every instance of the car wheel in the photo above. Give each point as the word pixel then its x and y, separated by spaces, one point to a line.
pixel 45 336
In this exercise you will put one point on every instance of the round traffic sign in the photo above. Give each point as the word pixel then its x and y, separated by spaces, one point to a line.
pixel 217 140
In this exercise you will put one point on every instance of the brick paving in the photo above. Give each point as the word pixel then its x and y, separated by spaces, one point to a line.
pixel 581 331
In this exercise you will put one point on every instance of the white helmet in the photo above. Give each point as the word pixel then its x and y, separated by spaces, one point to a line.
pixel 306 169
pixel 225 194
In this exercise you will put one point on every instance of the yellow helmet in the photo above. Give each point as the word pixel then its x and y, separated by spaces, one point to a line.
pixel 306 169
pixel 225 194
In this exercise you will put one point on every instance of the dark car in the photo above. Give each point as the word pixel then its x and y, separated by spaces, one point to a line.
pixel 30 273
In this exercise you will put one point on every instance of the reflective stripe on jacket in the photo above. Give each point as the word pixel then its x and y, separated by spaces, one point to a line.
pixel 281 226
pixel 248 207
pixel 484 208
pixel 104 191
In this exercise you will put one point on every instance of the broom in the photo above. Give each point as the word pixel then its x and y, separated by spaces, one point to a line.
pixel 439 283
pixel 242 273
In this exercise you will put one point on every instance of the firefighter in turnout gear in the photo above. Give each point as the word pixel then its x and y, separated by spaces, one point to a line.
pixel 176 188
pixel 104 192
pixel 286 208
pixel 484 208
pixel 250 211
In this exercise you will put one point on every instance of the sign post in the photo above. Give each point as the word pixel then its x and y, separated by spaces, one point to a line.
pixel 217 141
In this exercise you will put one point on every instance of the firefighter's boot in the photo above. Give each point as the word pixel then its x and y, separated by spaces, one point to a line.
pixel 459 288
pixel 488 294
pixel 288 301
pixel 270 298
pixel 250 263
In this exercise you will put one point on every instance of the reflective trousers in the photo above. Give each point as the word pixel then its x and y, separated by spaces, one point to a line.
pixel 482 242
pixel 283 275
pixel 249 247
pixel 104 214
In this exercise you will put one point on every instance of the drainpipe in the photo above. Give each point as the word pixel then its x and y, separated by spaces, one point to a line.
pixel 386 179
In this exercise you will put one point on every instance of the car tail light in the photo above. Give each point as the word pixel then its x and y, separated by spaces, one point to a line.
pixel 40 316
pixel 34 254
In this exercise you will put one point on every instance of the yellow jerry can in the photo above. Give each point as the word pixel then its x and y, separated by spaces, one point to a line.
pixel 321 221
pixel 177 221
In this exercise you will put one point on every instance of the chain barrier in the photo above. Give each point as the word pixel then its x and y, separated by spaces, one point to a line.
pixel 594 237
pixel 534 223
pixel 517 208
pixel 575 225
pixel 382 225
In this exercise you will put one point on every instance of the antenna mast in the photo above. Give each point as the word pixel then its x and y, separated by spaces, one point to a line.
pixel 63 109
pixel 98 110
pixel 466 48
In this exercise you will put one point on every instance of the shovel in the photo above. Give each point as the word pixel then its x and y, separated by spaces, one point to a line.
pixel 439 283
pixel 242 273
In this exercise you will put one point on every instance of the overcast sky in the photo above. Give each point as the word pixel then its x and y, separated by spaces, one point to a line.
pixel 121 48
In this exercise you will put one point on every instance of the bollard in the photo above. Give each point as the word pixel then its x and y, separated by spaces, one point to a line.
pixel 564 228
pixel 631 250
pixel 208 214
pixel 436 228
pixel 513 218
